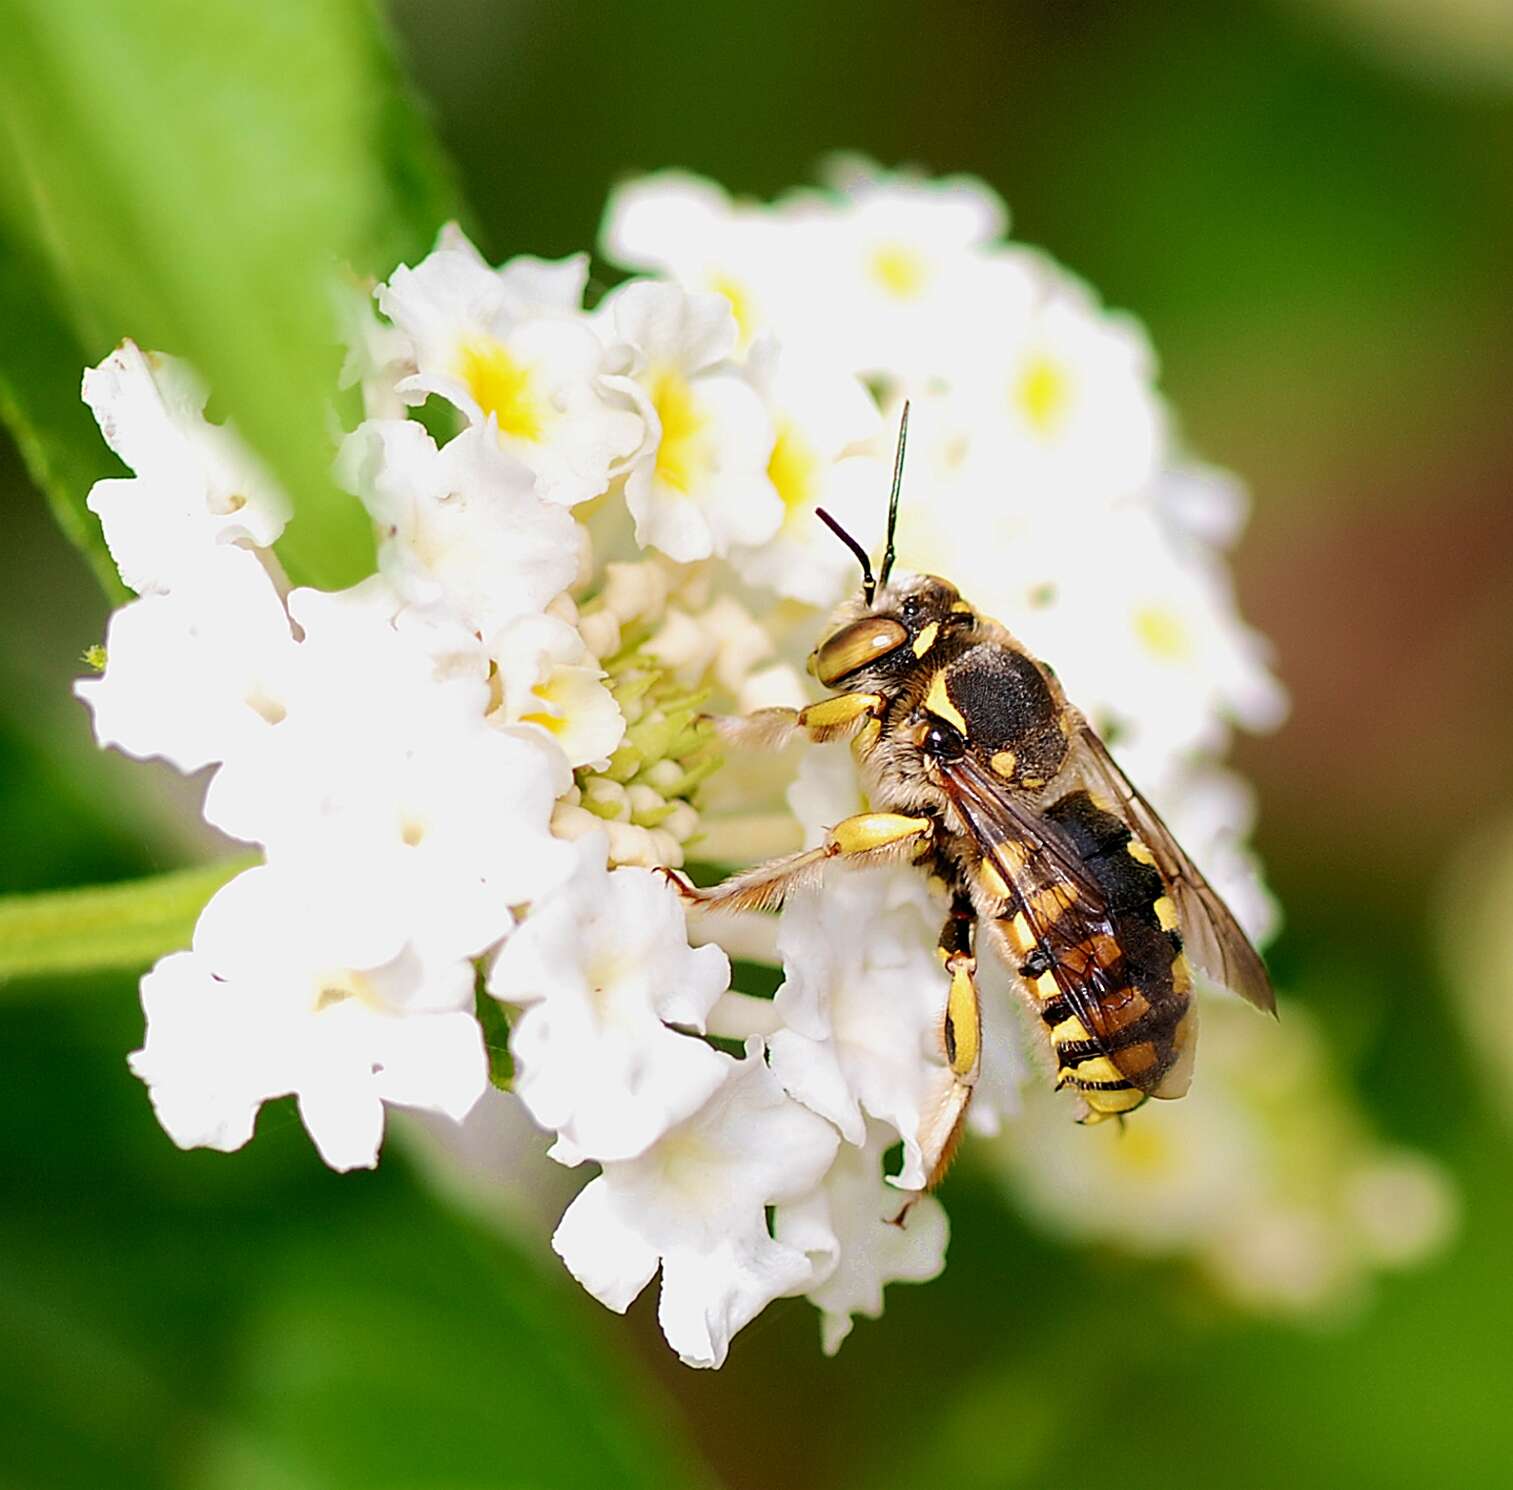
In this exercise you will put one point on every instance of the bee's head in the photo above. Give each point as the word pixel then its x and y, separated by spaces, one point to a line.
pixel 901 622
pixel 892 622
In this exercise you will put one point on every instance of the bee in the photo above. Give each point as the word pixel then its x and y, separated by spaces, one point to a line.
pixel 981 773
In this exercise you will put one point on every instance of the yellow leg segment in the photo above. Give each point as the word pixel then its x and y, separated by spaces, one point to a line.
pixel 961 1041
pixel 963 1023
pixel 869 831
pixel 841 715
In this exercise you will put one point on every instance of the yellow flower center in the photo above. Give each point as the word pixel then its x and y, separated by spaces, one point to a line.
pixel 502 387
pixel 553 718
pixel 794 470
pixel 740 304
pixel 1163 633
pixel 1043 393
pixel 678 454
pixel 899 269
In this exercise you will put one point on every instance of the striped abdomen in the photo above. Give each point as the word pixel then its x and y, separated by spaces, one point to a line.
pixel 1123 955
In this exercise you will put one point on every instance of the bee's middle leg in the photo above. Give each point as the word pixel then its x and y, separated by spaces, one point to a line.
pixel 961 1043
pixel 770 729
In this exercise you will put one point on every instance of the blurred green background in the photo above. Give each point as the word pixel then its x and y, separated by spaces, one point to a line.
pixel 1308 204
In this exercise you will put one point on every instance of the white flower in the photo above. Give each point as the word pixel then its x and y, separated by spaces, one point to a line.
pixel 825 790
pixel 383 764
pixel 695 1205
pixel 462 524
pixel 298 986
pixel 509 349
pixel 967 517
pixel 550 682
pixel 882 275
pixel 378 356
pixel 528 282
pixel 196 485
pixel 198 674
pixel 895 282
pixel 688 228
pixel 602 968
pixel 1061 394
pixel 819 415
pixel 1208 505
pixel 490 1165
pixel 847 1227
pixel 862 1003
pixel 699 484
pixel 1157 656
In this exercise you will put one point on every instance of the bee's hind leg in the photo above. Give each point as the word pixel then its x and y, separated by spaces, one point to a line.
pixel 866 838
pixel 961 1043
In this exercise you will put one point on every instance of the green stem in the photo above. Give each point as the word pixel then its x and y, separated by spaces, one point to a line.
pixel 107 927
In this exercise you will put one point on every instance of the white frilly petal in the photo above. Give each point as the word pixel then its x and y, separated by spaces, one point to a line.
pixel 601 968
pixel 462 524
pixel 847 1227
pixel 196 484
pixel 198 674
pixel 696 1201
pixel 605 1254
pixel 296 987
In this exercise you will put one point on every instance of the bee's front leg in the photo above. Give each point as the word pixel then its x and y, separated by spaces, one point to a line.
pixel 961 1042
pixel 770 729
pixel 866 838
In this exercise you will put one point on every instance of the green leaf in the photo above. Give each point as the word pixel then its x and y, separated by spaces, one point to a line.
pixel 426 1353
pixel 205 1321
pixel 124 926
pixel 40 365
pixel 197 178
pixel 496 1037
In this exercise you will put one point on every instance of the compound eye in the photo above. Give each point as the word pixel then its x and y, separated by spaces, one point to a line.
pixel 856 646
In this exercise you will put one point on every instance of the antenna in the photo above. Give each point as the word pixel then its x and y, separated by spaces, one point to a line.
pixel 869 585
pixel 898 481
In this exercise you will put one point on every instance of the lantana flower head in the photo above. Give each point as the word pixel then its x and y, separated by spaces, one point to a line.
pixel 468 774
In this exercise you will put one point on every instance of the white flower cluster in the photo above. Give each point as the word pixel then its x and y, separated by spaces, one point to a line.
pixel 463 772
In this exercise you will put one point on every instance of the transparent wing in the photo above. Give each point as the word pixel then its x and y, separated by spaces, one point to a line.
pixel 1211 935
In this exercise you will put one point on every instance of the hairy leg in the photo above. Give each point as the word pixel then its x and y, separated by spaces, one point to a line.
pixel 867 838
